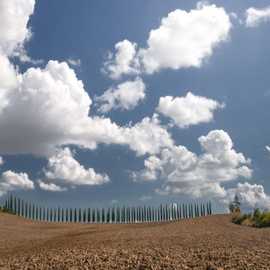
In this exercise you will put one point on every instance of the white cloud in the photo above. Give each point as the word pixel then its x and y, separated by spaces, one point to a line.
pixel 64 168
pixel 74 62
pixel 250 195
pixel 1 161
pixel 255 16
pixel 267 148
pixel 185 39
pixel 8 75
pixel 41 111
pixel 14 16
pixel 188 110
pixel 123 62
pixel 147 136
pixel 51 187
pixel 11 181
pixel 125 96
pixel 184 172
pixel 49 107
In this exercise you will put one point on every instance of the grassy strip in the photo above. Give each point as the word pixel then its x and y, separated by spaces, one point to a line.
pixel 257 219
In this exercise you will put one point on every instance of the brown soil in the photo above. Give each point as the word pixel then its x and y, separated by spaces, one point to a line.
pixel 203 243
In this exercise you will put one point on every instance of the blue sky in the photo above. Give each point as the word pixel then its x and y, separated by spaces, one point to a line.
pixel 224 66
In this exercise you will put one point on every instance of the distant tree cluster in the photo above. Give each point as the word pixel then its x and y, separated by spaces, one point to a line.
pixel 257 219
pixel 234 206
pixel 117 214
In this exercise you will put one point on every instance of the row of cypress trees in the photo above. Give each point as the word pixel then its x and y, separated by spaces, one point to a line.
pixel 117 214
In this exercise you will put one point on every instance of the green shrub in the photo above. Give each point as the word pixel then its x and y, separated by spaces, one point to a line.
pixel 257 219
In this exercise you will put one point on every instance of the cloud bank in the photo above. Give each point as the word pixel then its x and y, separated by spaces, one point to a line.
pixel 185 172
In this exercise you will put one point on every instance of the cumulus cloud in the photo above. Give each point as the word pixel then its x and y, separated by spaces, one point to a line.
pixel 250 196
pixel 64 168
pixel 41 109
pixel 51 187
pixel 123 61
pixel 14 16
pixel 125 96
pixel 148 136
pixel 267 147
pixel 188 110
pixel 47 108
pixel 183 39
pixel 1 161
pixel 11 181
pixel 8 74
pixel 185 172
pixel 255 16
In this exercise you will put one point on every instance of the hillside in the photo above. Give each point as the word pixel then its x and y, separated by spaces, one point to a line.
pixel 200 243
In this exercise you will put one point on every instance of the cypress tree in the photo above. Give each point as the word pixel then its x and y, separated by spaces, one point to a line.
pixel 75 215
pixel 6 205
pixel 124 214
pixel 23 209
pixel 180 212
pixel 88 215
pixel 11 203
pixel 19 207
pixel 26 210
pixel 51 215
pixel 127 215
pixel 113 215
pixel 47 214
pixel 15 206
pixel 84 216
pixel 131 214
pixel 80 215
pixel 98 215
pixel 93 215
pixel 62 214
pixel 35 209
pixel 70 215
pixel 108 215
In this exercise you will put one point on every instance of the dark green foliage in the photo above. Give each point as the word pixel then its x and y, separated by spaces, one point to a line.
pixel 257 219
pixel 80 215
pixel 234 206
pixel 75 215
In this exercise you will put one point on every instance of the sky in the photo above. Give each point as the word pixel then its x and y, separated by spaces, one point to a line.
pixel 135 102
